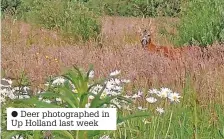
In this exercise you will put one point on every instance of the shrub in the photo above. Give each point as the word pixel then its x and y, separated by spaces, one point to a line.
pixel 136 7
pixel 9 6
pixel 72 18
pixel 201 23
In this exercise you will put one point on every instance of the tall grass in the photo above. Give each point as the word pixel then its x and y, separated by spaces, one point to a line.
pixel 186 119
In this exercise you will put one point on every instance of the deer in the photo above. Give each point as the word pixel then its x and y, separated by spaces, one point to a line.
pixel 147 43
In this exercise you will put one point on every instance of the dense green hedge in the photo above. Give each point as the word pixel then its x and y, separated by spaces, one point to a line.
pixel 201 23
pixel 72 18
pixel 136 7
pixel 115 7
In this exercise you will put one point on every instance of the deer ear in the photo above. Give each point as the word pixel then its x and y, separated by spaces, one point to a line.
pixel 145 32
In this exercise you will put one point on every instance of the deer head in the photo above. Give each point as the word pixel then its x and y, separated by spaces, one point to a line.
pixel 145 35
pixel 146 38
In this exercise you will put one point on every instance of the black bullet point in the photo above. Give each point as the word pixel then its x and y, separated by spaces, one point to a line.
pixel 14 114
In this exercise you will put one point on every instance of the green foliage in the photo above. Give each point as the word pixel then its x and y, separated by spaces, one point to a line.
pixel 201 23
pixel 74 93
pixel 108 7
pixel 136 7
pixel 9 6
pixel 187 120
pixel 71 18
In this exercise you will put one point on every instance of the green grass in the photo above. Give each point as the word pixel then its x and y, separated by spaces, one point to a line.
pixel 72 19
pixel 201 27
pixel 184 120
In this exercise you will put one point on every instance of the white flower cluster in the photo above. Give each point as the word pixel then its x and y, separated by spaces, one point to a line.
pixel 154 95
pixel 113 87
pixel 10 92
pixel 163 93
pixel 17 137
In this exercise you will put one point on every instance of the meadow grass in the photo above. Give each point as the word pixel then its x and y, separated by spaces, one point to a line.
pixel 199 113
pixel 186 118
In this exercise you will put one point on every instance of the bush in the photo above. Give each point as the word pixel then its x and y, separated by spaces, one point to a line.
pixel 72 18
pixel 201 23
pixel 136 7
pixel 9 6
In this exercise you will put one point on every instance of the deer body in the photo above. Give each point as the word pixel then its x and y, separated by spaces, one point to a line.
pixel 169 52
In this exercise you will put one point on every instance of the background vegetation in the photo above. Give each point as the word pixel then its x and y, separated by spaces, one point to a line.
pixel 80 19
pixel 42 38
pixel 201 23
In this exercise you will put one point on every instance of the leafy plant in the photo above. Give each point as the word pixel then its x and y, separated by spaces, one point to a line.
pixel 137 8
pixel 10 6
pixel 71 18
pixel 201 27
pixel 73 90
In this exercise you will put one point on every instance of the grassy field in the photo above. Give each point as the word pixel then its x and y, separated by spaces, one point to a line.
pixel 197 76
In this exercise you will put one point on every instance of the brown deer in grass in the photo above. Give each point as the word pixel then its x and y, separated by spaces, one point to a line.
pixel 169 52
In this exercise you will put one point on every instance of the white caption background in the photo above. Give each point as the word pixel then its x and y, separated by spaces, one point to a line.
pixel 66 118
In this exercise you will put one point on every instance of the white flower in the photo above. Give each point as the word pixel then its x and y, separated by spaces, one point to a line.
pixel 23 96
pixel 91 74
pixel 58 81
pixel 73 86
pixel 160 110
pixel 153 91
pixel 117 81
pixel 7 93
pixel 125 81
pixel 112 93
pixel 75 91
pixel 127 96
pixel 91 97
pixel 116 102
pixel 87 105
pixel 96 89
pixel 6 82
pixel 112 84
pixel 109 85
pixel 39 92
pixel 17 137
pixel 138 95
pixel 135 96
pixel 105 137
pixel 26 89
pixel 117 88
pixel 40 98
pixel 141 108
pixel 103 95
pixel 151 99
pixel 164 92
pixel 115 73
pixel 174 97
pixel 58 99
pixel 2 99
pixel 47 101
